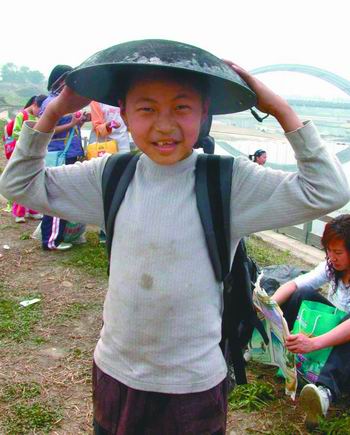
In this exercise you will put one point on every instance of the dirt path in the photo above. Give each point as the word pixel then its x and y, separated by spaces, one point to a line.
pixel 57 352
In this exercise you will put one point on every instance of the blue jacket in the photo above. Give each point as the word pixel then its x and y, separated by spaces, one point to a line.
pixel 57 142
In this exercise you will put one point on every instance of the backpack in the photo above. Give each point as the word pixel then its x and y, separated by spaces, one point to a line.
pixel 213 192
pixel 9 141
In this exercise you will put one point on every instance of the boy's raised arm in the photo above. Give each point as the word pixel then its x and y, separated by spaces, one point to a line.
pixel 263 198
pixel 72 192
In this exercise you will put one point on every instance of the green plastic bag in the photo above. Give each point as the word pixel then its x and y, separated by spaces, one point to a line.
pixel 314 319
pixel 73 231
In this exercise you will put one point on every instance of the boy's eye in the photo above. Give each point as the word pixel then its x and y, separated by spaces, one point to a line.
pixel 145 109
pixel 182 107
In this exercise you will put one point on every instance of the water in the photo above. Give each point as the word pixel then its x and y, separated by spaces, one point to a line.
pixel 333 124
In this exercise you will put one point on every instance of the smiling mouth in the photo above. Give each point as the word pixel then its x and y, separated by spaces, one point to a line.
pixel 165 145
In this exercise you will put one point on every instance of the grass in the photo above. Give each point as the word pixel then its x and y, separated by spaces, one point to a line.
pixel 27 417
pixel 90 257
pixel 338 425
pixel 16 322
pixel 24 410
pixel 265 255
pixel 78 353
pixel 251 397
pixel 25 236
pixel 23 390
pixel 75 310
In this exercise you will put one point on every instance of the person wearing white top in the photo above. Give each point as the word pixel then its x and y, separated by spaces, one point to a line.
pixel 334 378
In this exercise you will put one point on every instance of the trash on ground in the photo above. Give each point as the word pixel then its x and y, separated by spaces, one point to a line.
pixel 29 302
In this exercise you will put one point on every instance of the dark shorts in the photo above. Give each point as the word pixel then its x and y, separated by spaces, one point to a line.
pixel 121 410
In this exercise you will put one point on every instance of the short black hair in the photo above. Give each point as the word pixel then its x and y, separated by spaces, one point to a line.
pixel 257 154
pixel 191 78
pixel 56 73
pixel 29 102
pixel 37 99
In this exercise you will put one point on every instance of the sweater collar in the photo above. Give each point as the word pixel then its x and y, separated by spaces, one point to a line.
pixel 177 168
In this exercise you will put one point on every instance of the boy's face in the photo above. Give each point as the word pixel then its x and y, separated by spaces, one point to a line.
pixel 164 118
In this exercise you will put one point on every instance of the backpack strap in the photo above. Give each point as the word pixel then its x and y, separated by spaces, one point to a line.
pixel 213 194
pixel 117 174
pixel 213 191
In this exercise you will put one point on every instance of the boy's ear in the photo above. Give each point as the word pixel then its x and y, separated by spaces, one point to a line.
pixel 121 105
pixel 205 110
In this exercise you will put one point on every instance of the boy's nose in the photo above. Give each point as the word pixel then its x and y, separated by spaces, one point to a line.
pixel 164 124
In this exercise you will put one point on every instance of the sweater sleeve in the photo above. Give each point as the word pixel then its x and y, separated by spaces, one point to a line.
pixel 97 119
pixel 263 198
pixel 312 280
pixel 72 192
pixel 17 126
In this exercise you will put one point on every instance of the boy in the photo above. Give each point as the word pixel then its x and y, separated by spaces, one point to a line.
pixel 158 367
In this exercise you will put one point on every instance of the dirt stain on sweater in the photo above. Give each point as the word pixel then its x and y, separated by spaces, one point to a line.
pixel 146 281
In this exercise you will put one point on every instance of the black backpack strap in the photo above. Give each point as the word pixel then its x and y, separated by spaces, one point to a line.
pixel 213 194
pixel 213 189
pixel 118 172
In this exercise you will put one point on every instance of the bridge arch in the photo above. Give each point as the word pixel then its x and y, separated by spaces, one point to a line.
pixel 334 79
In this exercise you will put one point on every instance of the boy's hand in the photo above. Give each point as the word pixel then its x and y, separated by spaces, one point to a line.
pixel 300 343
pixel 268 101
pixel 66 102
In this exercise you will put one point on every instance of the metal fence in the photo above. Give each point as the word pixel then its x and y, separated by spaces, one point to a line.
pixel 305 232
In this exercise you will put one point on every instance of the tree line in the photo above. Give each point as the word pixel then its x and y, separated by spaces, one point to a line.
pixel 11 73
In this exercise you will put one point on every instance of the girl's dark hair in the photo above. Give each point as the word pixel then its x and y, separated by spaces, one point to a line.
pixel 37 99
pixel 257 154
pixel 337 229
pixel 30 101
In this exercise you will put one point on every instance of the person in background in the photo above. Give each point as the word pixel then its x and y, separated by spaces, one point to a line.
pixel 107 124
pixel 30 112
pixel 52 227
pixel 258 157
pixel 334 378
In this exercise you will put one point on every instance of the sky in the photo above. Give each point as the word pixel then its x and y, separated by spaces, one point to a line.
pixel 252 33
